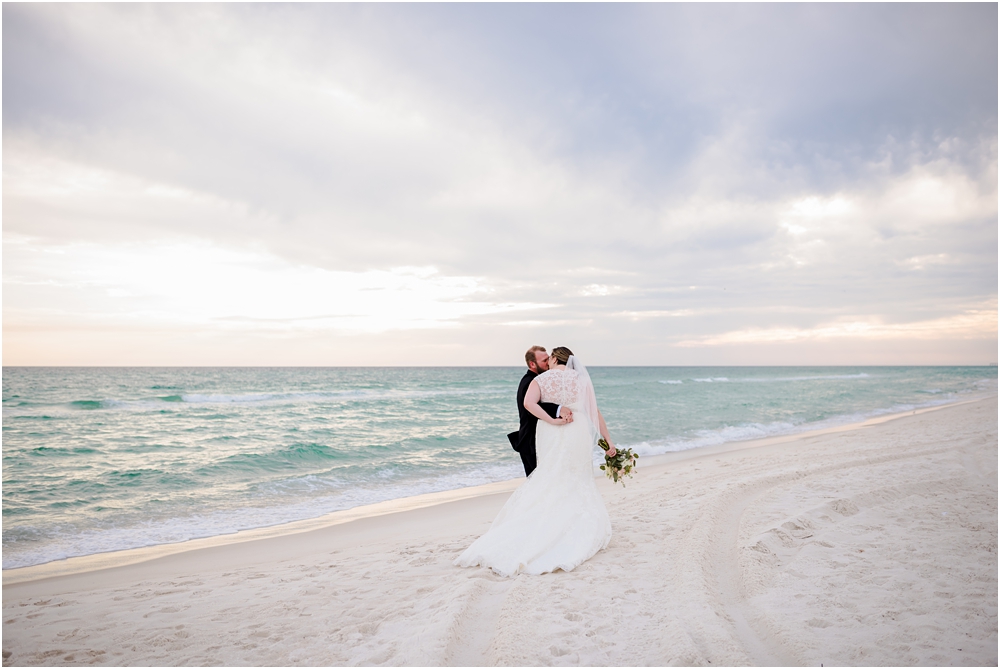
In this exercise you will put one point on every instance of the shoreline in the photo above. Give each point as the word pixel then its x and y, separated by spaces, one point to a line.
pixel 113 559
pixel 868 545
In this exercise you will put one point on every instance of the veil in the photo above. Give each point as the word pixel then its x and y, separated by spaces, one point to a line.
pixel 588 398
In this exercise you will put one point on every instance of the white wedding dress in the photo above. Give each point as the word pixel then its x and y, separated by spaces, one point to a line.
pixel 556 519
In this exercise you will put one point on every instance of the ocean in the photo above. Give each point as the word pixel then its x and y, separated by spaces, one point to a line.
pixel 105 459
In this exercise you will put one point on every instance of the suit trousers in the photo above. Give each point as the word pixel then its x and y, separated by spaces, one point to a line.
pixel 528 458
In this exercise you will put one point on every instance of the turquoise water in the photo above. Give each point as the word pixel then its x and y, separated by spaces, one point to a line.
pixel 97 459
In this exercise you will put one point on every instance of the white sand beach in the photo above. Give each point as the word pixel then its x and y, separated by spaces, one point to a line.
pixel 869 545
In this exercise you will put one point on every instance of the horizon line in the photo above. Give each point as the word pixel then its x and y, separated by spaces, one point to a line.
pixel 990 364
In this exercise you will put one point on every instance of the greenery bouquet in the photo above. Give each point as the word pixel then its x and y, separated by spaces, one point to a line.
pixel 621 465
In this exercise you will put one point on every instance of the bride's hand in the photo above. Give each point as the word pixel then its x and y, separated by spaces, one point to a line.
pixel 612 451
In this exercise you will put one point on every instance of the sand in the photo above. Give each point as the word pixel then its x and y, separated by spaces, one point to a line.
pixel 874 545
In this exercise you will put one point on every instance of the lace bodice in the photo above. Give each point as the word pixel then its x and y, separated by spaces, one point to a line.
pixel 559 386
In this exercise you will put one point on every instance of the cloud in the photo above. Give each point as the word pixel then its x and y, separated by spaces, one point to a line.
pixel 196 285
pixel 690 171
pixel 972 324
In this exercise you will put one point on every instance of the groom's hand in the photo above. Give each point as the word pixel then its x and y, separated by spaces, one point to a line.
pixel 567 414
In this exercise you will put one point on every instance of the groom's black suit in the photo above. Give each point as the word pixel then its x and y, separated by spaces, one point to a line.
pixel 523 440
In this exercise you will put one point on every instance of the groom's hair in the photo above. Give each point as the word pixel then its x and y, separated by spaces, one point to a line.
pixel 529 357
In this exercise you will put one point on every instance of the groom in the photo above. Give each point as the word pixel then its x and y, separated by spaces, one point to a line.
pixel 523 440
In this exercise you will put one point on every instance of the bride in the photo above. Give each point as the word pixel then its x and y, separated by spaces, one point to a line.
pixel 556 519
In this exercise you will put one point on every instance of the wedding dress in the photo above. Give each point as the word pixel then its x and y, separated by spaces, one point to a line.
pixel 557 518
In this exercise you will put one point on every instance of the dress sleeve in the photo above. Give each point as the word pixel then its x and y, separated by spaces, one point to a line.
pixel 543 385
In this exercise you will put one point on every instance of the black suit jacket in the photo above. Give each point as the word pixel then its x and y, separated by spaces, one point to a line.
pixel 523 441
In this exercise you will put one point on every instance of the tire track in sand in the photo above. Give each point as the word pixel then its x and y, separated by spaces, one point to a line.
pixel 716 616
pixel 475 624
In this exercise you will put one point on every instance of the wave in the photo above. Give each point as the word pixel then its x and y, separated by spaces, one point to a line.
pixel 26 409
pixel 750 431
pixel 715 437
pixel 26 546
pixel 87 404
pixel 291 456
pixel 781 379
pixel 346 395
pixel 827 377
pixel 376 395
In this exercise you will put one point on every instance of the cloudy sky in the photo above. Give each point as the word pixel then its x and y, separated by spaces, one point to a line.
pixel 449 184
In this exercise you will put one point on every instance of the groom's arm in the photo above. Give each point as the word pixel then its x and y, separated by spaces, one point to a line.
pixel 557 411
pixel 550 408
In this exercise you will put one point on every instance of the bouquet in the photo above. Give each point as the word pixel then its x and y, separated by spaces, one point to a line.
pixel 619 466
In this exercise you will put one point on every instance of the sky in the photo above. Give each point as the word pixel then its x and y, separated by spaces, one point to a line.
pixel 449 184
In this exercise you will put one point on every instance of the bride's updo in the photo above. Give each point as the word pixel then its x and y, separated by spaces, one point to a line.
pixel 561 353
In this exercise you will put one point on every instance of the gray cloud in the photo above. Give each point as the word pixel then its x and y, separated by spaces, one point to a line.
pixel 796 164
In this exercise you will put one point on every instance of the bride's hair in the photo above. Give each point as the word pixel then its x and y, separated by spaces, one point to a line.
pixel 561 353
